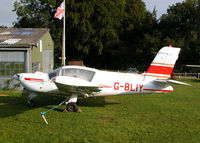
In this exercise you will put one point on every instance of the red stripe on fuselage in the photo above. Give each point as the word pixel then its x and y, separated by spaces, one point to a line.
pixel 105 86
pixel 160 70
pixel 157 90
pixel 34 79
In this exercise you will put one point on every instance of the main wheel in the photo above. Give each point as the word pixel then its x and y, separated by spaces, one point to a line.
pixel 72 107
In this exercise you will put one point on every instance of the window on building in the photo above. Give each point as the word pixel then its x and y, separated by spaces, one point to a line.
pixel 8 69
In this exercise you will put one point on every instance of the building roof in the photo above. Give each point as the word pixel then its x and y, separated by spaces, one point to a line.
pixel 21 37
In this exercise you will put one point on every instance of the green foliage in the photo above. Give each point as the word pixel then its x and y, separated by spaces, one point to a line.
pixel 92 26
pixel 136 24
pixel 180 27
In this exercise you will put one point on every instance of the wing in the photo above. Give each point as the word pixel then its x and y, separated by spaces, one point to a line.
pixel 79 86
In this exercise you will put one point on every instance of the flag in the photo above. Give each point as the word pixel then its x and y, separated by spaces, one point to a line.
pixel 60 11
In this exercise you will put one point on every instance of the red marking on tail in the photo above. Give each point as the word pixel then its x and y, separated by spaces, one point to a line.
pixel 160 70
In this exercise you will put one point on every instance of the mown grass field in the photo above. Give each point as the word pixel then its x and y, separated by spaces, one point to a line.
pixel 153 118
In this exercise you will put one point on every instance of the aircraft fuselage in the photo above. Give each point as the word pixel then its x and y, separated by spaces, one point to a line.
pixel 109 83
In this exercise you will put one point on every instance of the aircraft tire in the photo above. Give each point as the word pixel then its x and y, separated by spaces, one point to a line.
pixel 72 107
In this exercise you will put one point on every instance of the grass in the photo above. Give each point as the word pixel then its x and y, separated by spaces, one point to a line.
pixel 151 118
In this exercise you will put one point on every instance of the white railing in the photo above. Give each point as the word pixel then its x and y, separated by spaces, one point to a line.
pixel 186 75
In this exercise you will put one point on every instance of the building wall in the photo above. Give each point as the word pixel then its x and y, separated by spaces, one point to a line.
pixel 42 58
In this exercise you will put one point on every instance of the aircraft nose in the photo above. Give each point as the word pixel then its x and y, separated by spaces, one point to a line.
pixel 16 76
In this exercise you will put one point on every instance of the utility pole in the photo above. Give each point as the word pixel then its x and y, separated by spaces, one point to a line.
pixel 63 47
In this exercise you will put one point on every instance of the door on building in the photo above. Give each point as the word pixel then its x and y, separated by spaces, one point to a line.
pixel 47 61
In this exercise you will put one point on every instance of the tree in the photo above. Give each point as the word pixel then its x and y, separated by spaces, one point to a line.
pixel 128 50
pixel 94 28
pixel 180 27
pixel 138 37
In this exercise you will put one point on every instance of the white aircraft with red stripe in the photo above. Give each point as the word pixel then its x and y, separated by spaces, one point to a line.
pixel 88 82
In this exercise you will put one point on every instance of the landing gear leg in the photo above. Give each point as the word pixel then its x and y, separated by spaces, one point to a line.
pixel 30 101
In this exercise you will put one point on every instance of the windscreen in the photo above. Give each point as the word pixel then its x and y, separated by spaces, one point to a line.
pixel 79 73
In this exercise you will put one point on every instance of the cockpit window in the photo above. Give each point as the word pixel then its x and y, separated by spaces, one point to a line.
pixel 79 73
pixel 73 72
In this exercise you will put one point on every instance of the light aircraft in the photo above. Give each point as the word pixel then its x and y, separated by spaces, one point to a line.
pixel 88 82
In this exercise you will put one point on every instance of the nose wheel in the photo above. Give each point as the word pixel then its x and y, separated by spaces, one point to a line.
pixel 30 103
pixel 71 103
pixel 72 107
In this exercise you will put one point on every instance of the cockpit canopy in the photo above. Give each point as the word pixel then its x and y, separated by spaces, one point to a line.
pixel 84 74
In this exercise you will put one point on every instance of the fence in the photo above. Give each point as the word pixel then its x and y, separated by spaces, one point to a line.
pixel 186 75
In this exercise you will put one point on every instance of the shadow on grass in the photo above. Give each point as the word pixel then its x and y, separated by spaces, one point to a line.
pixel 13 105
pixel 95 102
pixel 87 102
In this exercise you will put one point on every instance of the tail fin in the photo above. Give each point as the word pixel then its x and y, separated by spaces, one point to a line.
pixel 163 64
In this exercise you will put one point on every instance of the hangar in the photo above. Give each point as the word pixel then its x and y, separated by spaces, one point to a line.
pixel 25 50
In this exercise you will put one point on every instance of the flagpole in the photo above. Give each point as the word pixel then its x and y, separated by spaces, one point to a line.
pixel 63 48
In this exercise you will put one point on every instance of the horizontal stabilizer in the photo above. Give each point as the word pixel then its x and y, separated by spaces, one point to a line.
pixel 193 66
pixel 171 81
pixel 177 82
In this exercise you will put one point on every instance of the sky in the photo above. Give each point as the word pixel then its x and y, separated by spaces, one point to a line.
pixel 160 5
pixel 7 17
